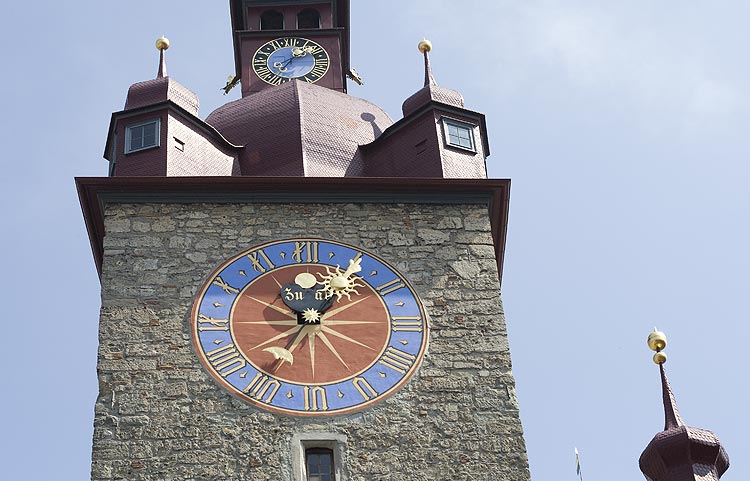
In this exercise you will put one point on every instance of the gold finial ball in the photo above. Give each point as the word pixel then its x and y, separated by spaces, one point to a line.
pixel 162 43
pixel 657 341
pixel 425 46
pixel 660 358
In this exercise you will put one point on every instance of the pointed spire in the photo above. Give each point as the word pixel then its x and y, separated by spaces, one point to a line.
pixel 162 44
pixel 680 452
pixel 657 341
pixel 425 46
pixel 672 417
pixel 431 92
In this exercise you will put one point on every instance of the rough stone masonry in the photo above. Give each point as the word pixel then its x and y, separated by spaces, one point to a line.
pixel 160 416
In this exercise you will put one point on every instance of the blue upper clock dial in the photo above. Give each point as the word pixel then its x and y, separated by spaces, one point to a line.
pixel 289 58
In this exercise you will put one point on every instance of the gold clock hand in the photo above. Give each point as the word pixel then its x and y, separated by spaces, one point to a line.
pixel 311 341
pixel 291 346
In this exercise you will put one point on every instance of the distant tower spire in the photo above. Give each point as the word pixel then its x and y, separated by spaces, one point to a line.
pixel 425 46
pixel 679 453
pixel 162 44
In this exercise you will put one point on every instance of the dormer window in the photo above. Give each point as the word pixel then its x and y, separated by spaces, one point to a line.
pixel 144 135
pixel 272 20
pixel 308 18
pixel 459 134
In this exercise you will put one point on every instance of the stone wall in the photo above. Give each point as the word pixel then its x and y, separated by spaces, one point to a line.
pixel 160 416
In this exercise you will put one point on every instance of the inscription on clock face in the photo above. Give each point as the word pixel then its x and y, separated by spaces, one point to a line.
pixel 287 58
pixel 309 327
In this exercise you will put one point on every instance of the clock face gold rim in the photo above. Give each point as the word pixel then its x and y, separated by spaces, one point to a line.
pixel 356 352
pixel 287 58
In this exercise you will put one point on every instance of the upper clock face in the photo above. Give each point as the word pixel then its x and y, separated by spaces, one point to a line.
pixel 309 327
pixel 288 58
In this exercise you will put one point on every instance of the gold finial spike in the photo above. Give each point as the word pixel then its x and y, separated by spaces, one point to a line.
pixel 660 358
pixel 162 43
pixel 425 46
pixel 657 340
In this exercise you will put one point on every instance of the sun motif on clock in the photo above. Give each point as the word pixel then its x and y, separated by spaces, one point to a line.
pixel 284 326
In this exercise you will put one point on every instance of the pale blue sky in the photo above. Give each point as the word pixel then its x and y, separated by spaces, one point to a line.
pixel 623 126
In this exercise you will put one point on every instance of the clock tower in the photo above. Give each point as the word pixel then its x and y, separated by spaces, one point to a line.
pixel 277 41
pixel 298 287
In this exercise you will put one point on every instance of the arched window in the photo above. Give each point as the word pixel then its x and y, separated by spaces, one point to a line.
pixel 308 18
pixel 272 20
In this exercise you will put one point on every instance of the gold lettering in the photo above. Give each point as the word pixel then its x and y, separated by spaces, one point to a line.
pixel 256 257
pixel 319 70
pixel 397 360
pixel 315 399
pixel 224 358
pixel 219 282
pixel 213 324
pixel 406 324
pixel 364 388
pixel 389 287
pixel 260 385
pixel 309 249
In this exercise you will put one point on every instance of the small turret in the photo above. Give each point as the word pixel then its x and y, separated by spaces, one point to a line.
pixel 679 453
pixel 438 136
pixel 159 132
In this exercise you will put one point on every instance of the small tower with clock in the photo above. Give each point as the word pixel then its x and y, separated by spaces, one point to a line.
pixel 276 42
pixel 299 287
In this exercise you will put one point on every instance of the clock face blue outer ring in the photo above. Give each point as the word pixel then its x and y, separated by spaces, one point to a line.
pixel 212 316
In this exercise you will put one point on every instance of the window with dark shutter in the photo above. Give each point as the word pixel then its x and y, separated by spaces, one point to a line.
pixel 319 464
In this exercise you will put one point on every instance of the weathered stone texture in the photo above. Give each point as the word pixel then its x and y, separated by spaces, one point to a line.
pixel 160 416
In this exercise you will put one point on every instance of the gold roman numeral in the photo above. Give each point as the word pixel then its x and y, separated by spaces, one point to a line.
pixel 406 324
pixel 315 399
pixel 319 70
pixel 226 360
pixel 256 257
pixel 260 385
pixel 305 252
pixel 206 323
pixel 397 360
pixel 219 282
pixel 364 388
pixel 391 286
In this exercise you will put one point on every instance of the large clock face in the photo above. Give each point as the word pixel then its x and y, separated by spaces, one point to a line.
pixel 289 58
pixel 309 327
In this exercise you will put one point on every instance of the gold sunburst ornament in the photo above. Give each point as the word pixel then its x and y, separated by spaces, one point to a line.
pixel 341 283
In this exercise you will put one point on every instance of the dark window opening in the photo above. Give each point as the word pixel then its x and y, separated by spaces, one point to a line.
pixel 272 20
pixel 308 18
pixel 319 464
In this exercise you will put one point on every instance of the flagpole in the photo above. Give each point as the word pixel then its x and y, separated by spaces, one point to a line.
pixel 578 466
